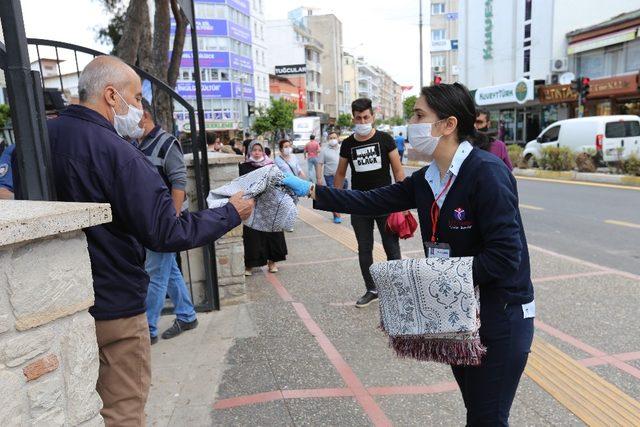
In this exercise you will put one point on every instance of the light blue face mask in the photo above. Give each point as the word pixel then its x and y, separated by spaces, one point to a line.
pixel 128 125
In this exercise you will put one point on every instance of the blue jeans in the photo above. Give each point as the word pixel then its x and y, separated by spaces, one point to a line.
pixel 312 164
pixel 166 278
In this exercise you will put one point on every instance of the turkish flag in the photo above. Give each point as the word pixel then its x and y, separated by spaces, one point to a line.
pixel 300 98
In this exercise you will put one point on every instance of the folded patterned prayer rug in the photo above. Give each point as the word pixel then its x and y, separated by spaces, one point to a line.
pixel 430 309
pixel 275 208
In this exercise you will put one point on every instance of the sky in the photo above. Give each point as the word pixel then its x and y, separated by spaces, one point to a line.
pixel 384 32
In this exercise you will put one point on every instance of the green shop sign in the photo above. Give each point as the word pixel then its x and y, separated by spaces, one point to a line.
pixel 487 51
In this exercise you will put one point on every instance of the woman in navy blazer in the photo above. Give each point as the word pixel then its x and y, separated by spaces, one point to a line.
pixel 472 199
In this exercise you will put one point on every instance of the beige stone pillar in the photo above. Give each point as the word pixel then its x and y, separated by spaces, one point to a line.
pixel 229 249
pixel 48 349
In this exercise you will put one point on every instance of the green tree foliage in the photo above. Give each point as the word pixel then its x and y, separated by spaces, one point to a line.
pixel 5 115
pixel 277 118
pixel 344 120
pixel 408 105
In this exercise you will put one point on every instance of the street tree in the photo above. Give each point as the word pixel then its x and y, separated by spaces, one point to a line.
pixel 281 114
pixel 134 42
pixel 408 105
pixel 345 120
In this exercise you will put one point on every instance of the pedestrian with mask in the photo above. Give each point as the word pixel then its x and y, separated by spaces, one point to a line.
pixel 261 247
pixel 328 164
pixel 287 162
pixel 92 162
pixel 371 155
pixel 486 142
pixel 164 151
pixel 467 203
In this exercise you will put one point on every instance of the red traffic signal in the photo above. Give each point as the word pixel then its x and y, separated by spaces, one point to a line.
pixel 437 80
pixel 585 82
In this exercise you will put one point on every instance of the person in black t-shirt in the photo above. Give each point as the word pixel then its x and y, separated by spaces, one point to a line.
pixel 371 155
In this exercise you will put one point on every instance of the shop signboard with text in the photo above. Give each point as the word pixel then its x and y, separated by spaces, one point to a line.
pixel 557 94
pixel 613 86
pixel 519 92
pixel 209 59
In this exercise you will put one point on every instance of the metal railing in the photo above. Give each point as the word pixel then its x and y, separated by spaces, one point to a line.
pixel 201 171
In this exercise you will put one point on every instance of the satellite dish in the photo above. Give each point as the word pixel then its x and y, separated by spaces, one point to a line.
pixel 566 78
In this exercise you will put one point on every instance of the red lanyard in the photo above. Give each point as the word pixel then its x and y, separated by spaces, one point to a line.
pixel 435 210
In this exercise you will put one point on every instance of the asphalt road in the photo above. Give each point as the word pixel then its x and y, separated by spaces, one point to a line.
pixel 597 224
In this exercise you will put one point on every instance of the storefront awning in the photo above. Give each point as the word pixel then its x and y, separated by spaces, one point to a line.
pixel 602 41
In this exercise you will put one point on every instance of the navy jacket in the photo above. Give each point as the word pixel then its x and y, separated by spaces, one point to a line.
pixel 91 163
pixel 479 218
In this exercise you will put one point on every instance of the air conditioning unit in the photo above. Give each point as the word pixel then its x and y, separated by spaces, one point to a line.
pixel 437 69
pixel 559 65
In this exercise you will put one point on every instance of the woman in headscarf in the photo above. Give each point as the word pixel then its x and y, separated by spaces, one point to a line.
pixel 260 247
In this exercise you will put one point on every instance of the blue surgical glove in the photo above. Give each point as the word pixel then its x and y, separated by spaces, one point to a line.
pixel 300 187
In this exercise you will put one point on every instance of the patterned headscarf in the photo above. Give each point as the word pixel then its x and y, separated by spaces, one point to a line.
pixel 265 160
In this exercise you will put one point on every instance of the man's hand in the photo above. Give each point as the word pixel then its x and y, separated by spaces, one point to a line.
pixel 242 205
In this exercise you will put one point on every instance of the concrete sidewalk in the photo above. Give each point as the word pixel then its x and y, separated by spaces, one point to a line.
pixel 298 352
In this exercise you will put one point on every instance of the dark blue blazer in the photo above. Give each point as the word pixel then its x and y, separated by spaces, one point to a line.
pixel 479 218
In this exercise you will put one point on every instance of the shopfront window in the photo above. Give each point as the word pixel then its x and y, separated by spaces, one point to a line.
pixel 633 55
pixel 613 60
pixel 630 108
pixel 507 125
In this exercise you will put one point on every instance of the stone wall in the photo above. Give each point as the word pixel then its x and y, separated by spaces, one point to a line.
pixel 48 349
pixel 229 249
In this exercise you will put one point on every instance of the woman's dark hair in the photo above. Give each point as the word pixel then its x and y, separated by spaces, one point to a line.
pixel 333 132
pixel 282 142
pixel 454 100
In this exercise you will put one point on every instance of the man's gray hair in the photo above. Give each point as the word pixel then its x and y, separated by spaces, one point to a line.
pixel 100 73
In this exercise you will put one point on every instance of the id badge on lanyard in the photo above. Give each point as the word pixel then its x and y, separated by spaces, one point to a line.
pixel 434 248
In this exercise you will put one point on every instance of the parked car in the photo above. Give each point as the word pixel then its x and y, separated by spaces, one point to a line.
pixel 613 137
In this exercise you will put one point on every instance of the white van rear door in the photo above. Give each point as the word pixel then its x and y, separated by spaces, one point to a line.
pixel 621 138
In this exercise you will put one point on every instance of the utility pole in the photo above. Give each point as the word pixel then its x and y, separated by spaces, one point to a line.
pixel 420 27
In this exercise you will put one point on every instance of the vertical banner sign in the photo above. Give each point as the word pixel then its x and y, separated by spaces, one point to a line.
pixel 487 51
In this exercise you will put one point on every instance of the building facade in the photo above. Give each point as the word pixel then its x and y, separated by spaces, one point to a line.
pixel 369 84
pixel 259 47
pixel 608 53
pixel 296 54
pixel 444 40
pixel 226 65
pixel 350 80
pixel 328 30
pixel 509 50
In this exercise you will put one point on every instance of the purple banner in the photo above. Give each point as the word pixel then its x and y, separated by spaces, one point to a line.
pixel 240 63
pixel 208 59
pixel 241 5
pixel 239 33
pixel 207 27
pixel 209 90
pixel 249 93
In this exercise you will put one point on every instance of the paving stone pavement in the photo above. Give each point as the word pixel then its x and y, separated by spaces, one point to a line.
pixel 297 352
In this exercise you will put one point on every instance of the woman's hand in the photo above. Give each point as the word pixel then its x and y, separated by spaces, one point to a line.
pixel 300 187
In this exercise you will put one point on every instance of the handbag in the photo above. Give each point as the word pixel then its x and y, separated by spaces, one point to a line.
pixel 401 224
pixel 430 309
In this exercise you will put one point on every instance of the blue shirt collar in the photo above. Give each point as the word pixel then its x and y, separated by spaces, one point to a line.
pixel 463 151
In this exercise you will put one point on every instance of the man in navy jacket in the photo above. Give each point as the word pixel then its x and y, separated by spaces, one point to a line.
pixel 93 163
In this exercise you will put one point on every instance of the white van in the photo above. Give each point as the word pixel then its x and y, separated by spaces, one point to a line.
pixel 616 137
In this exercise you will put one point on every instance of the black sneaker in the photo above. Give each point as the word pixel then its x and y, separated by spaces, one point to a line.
pixel 153 339
pixel 367 299
pixel 178 327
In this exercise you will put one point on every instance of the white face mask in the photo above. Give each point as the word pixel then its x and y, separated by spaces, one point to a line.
pixel 333 142
pixel 287 151
pixel 419 135
pixel 363 129
pixel 127 125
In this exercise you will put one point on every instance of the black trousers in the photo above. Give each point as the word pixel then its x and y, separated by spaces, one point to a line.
pixel 363 228
pixel 488 390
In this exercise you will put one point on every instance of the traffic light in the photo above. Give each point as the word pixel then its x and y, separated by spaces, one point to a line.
pixel 575 85
pixel 251 110
pixel 584 88
pixel 437 80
